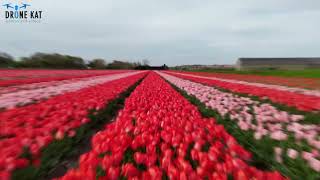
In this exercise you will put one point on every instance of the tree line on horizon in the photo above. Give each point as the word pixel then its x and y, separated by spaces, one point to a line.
pixel 59 61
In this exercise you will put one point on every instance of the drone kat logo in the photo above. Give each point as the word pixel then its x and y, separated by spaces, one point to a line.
pixel 21 11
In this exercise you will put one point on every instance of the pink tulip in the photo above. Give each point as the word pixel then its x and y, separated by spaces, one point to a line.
pixel 292 153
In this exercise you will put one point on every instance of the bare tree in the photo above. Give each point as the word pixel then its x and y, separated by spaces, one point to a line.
pixel 6 60
pixel 98 64
pixel 145 62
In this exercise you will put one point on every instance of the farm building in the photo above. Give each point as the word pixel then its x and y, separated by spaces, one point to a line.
pixel 203 67
pixel 277 63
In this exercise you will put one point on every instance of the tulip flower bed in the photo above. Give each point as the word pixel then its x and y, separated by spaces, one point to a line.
pixel 18 77
pixel 42 84
pixel 267 86
pixel 276 138
pixel 27 131
pixel 160 135
pixel 308 83
pixel 13 96
pixel 301 100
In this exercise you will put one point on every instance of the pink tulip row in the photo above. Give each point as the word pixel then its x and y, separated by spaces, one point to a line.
pixel 18 77
pixel 39 91
pixel 53 82
pixel 304 100
pixel 308 83
pixel 262 119
pixel 269 86
pixel 161 131
pixel 37 125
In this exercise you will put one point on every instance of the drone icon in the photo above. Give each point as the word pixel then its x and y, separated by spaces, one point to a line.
pixel 24 6
pixel 16 7
pixel 8 6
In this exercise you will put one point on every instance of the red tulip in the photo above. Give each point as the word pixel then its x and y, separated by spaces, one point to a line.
pixel 129 170
pixel 172 172
pixel 4 175
pixel 139 158
pixel 151 159
pixel 113 173
pixel 59 135
pixel 71 133
pixel 153 173
pixel 240 175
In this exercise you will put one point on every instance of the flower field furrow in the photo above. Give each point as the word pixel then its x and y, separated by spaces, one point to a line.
pixel 19 77
pixel 309 101
pixel 25 131
pixel 32 93
pixel 160 135
pixel 291 137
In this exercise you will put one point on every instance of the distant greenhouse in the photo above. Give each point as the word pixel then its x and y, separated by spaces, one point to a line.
pixel 277 63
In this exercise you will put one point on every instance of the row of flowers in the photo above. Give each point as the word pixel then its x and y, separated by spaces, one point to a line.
pixel 279 87
pixel 301 101
pixel 19 77
pixel 308 83
pixel 32 128
pixel 46 81
pixel 159 134
pixel 264 120
pixel 32 93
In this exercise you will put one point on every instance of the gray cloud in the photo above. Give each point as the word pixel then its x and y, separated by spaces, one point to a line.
pixel 168 31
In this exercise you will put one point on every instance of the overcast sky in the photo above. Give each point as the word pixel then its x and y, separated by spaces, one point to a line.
pixel 173 32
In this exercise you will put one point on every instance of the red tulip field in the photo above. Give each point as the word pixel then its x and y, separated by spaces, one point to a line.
pixel 126 124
